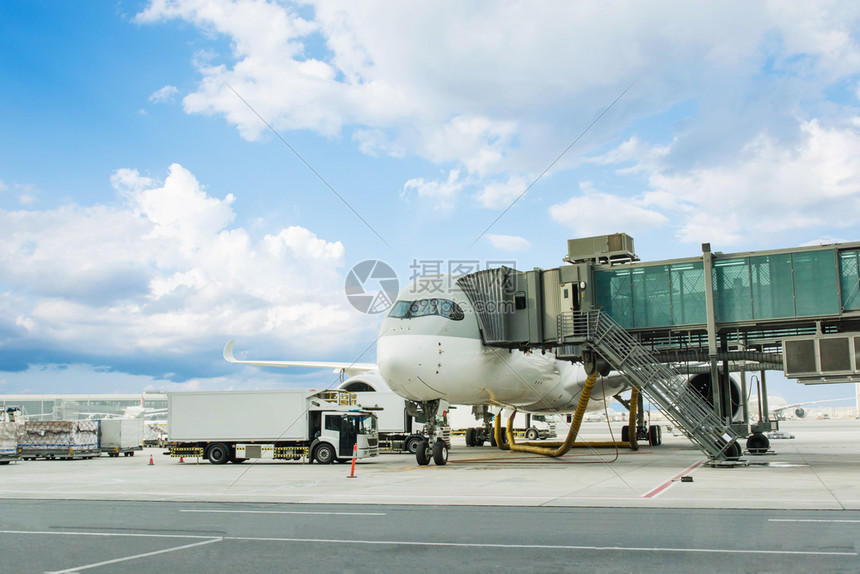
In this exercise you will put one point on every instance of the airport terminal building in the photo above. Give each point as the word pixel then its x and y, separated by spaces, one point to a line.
pixel 74 407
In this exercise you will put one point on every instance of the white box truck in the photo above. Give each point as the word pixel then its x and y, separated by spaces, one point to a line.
pixel 234 426
pixel 121 436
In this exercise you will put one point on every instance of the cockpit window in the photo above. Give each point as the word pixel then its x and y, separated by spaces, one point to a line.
pixel 426 307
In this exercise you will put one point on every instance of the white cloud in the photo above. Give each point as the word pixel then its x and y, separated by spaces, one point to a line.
pixel 163 95
pixel 774 189
pixel 501 194
pixel 596 213
pixel 505 86
pixel 509 242
pixel 442 194
pixel 162 271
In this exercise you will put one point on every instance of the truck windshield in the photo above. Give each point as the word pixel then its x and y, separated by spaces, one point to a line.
pixel 365 424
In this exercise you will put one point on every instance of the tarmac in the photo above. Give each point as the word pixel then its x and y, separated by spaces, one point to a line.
pixel 817 470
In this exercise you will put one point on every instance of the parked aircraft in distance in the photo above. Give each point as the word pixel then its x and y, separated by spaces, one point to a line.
pixel 779 409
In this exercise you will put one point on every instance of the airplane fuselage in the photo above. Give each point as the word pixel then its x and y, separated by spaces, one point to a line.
pixel 430 348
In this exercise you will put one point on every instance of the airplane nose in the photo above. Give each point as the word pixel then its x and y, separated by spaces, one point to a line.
pixel 397 359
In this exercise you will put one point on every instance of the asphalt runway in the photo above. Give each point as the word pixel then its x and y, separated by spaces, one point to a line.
pixel 100 536
pixel 794 509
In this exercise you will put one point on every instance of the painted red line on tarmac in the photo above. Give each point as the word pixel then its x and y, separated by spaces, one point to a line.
pixel 654 492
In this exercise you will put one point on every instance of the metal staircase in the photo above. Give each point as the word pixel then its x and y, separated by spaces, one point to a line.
pixel 663 385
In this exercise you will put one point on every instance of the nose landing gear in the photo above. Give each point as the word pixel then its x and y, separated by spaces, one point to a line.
pixel 434 447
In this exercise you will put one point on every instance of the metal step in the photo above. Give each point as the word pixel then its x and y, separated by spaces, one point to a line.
pixel 664 386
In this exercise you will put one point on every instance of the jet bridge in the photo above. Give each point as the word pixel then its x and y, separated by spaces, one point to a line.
pixel 793 310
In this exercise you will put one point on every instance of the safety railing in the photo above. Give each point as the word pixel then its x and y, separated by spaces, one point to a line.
pixel 664 386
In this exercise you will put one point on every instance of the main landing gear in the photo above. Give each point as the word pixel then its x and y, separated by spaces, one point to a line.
pixel 434 447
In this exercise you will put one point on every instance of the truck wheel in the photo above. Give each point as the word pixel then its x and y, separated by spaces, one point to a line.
pixel 218 453
pixel 412 443
pixel 440 453
pixel 532 433
pixel 324 453
pixel 422 455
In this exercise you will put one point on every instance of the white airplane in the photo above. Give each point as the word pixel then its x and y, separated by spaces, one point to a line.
pixel 132 412
pixel 778 408
pixel 430 350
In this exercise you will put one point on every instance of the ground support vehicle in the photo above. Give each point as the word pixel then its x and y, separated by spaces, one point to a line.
pixel 234 426
pixel 9 435
pixel 120 436
pixel 155 434
pixel 59 439
pixel 399 431
pixel 526 426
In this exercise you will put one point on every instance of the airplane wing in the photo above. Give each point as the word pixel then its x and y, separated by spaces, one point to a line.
pixel 349 369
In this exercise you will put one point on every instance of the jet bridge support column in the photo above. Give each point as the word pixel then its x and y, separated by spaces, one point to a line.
pixel 708 267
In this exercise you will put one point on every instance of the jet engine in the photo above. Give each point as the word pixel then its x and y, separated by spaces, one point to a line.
pixel 702 384
pixel 800 412
pixel 365 382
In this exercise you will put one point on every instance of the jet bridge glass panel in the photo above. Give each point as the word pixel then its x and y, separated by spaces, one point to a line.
pixel 815 283
pixel 652 296
pixel 773 286
pixel 849 279
pixel 732 294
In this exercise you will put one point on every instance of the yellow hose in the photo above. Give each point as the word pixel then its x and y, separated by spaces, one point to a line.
pixel 556 449
pixel 561 448
pixel 631 420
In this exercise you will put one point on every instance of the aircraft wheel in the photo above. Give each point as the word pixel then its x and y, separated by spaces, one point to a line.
pixel 479 442
pixel 492 439
pixel 440 453
pixel 470 437
pixel 423 454
pixel 757 443
pixel 412 443
pixel 625 433
pixel 324 453
pixel 532 433
pixel 218 453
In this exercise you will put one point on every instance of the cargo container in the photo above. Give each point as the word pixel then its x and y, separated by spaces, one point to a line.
pixel 120 436
pixel 59 439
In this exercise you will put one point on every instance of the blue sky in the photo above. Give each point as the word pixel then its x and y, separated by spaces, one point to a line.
pixel 149 215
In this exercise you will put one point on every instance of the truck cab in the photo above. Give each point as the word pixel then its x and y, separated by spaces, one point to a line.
pixel 343 433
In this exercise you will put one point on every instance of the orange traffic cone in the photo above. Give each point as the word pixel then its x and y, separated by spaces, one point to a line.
pixel 354 454
pixel 151 463
pixel 180 459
